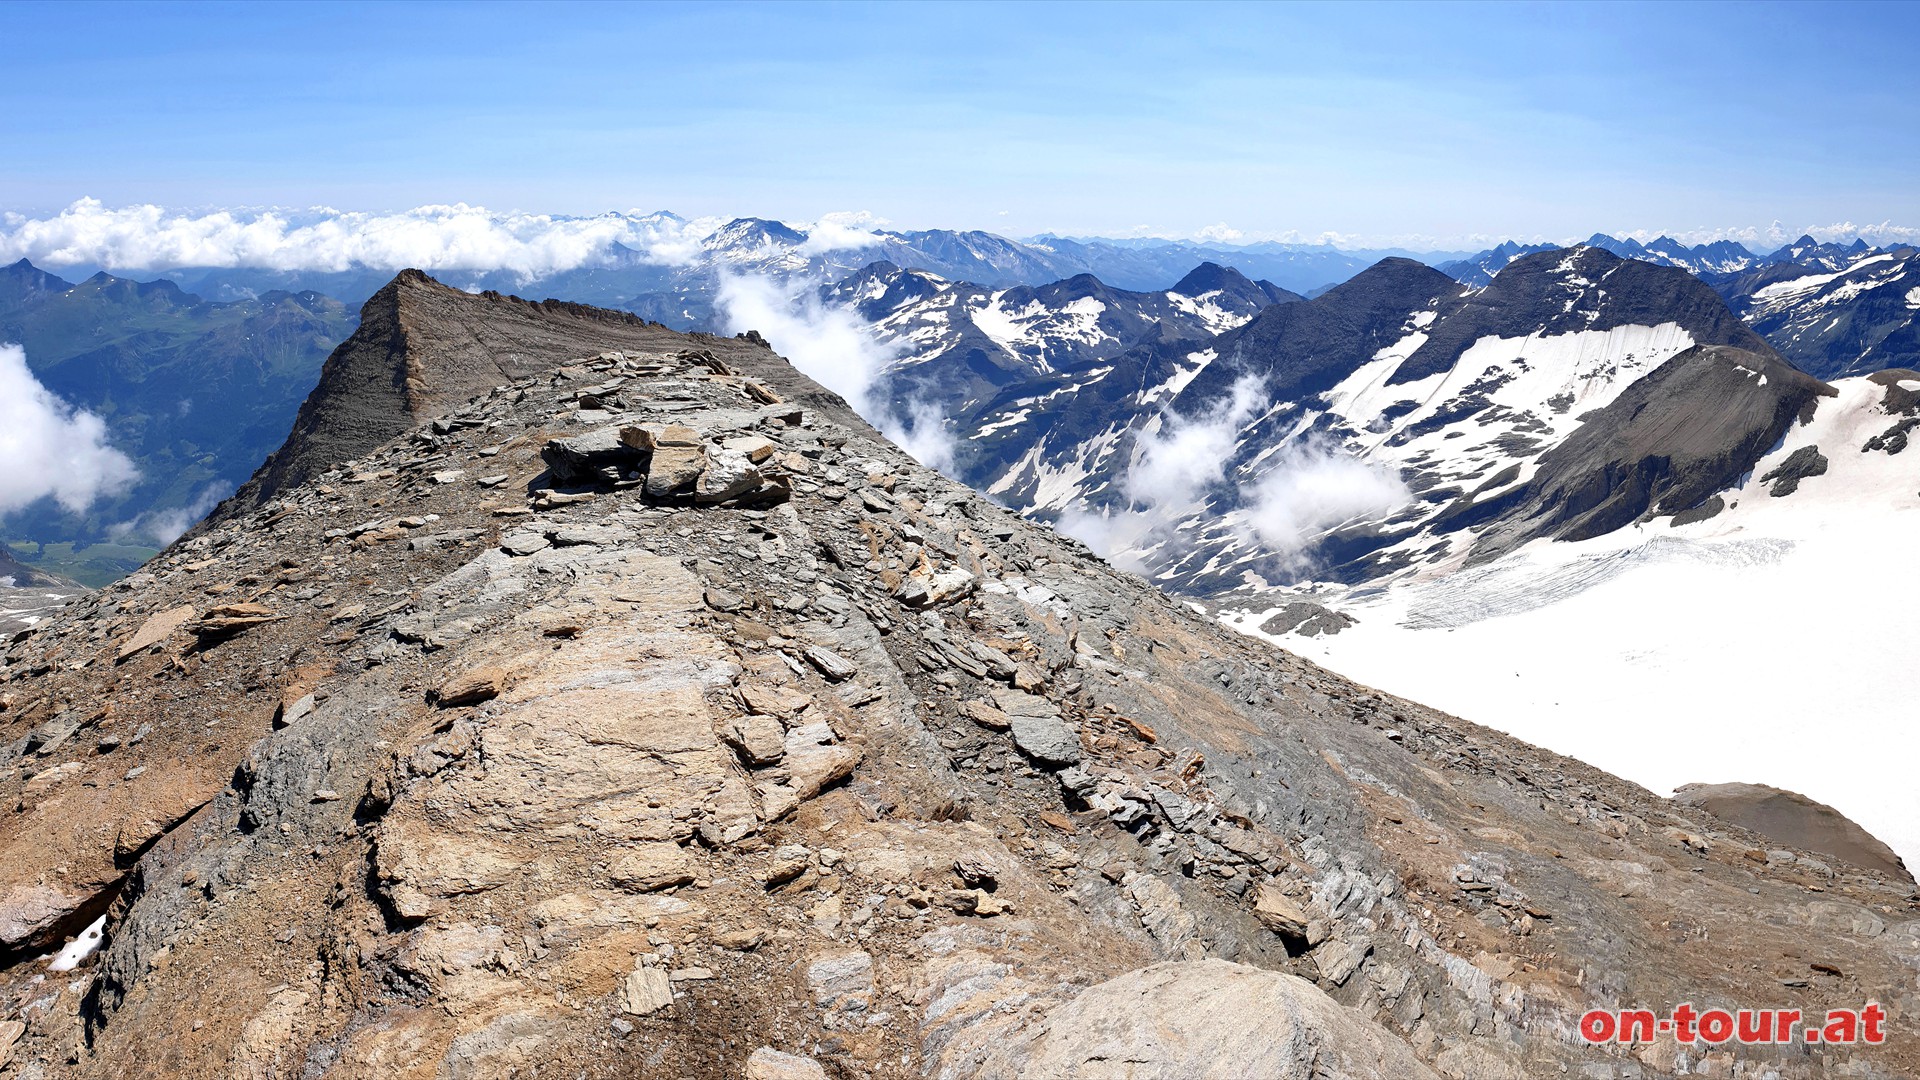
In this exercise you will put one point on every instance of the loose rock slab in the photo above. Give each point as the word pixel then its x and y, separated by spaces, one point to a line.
pixel 154 631
pixel 646 991
pixel 1205 1018
pixel 767 1063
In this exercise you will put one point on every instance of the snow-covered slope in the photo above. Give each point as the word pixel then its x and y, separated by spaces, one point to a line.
pixel 1771 640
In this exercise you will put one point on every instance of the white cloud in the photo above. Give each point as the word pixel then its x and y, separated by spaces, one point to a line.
pixel 921 430
pixel 163 526
pixel 842 231
pixel 48 448
pixel 462 237
pixel 1884 234
pixel 1174 464
pixel 835 347
pixel 1313 486
pixel 440 238
pixel 455 237
pixel 1177 461
pixel 1308 487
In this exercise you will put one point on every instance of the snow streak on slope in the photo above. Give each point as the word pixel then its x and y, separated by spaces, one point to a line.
pixel 1519 394
pixel 1781 290
pixel 1771 643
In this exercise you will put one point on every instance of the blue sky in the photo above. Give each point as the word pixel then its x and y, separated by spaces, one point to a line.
pixel 1379 123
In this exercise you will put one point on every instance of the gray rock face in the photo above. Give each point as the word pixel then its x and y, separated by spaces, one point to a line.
pixel 1205 1019
pixel 1802 463
pixel 582 457
pixel 841 979
pixel 1037 728
pixel 1308 619
pixel 1046 739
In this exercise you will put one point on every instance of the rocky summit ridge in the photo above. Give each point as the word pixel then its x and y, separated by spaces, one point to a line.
pixel 640 712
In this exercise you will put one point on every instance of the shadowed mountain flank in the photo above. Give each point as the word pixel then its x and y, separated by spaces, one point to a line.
pixel 1667 444
pixel 1303 349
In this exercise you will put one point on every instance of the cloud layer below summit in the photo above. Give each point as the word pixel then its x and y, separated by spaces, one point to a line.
pixel 449 237
pixel 458 236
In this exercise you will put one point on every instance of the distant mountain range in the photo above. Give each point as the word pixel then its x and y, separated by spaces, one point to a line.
pixel 964 343
pixel 1834 310
pixel 1719 257
pixel 1227 438
pixel 677 288
pixel 984 328
pixel 1489 405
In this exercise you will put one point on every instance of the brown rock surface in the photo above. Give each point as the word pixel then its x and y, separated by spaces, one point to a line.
pixel 1787 817
pixel 155 629
pixel 387 888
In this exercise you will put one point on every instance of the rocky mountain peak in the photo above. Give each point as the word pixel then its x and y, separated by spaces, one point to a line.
pixel 1210 277
pixel 27 281
pixel 422 346
pixel 752 233
pixel 1301 349
pixel 1572 290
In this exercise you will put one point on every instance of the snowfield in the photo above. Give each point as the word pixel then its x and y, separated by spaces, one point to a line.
pixel 1773 643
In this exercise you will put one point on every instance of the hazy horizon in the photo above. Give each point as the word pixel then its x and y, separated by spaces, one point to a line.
pixel 89 235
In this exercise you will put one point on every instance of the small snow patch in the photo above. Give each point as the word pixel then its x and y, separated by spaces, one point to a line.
pixel 80 947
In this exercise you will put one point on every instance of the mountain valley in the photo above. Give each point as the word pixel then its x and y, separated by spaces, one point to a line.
pixel 195 393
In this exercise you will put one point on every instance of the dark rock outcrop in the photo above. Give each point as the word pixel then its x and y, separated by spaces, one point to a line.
pixel 1666 445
